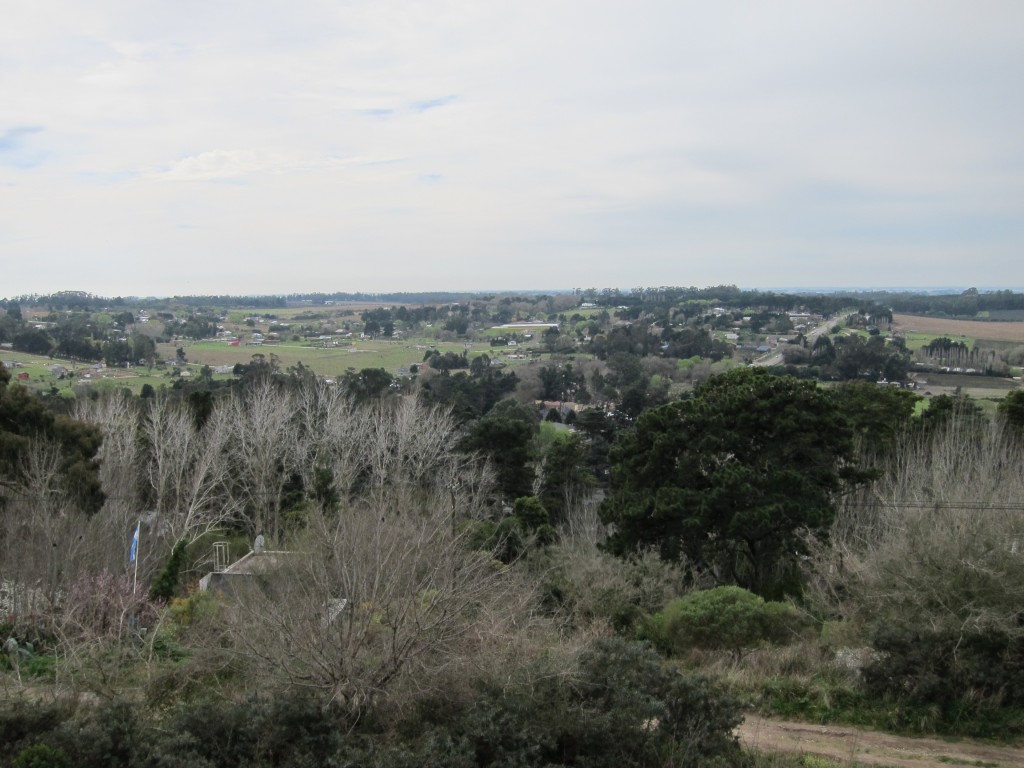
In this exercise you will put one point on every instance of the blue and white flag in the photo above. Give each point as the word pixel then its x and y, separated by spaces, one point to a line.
pixel 135 544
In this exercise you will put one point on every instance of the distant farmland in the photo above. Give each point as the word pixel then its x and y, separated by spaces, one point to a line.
pixel 330 361
pixel 975 329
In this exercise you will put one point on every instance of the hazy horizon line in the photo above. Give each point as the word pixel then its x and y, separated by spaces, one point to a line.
pixel 786 289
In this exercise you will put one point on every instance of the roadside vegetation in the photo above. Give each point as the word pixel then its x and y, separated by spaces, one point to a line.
pixel 604 552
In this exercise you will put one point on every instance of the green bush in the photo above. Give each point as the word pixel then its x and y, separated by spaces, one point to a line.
pixel 619 706
pixel 700 717
pixel 964 677
pixel 111 735
pixel 724 618
pixel 166 582
pixel 190 610
pixel 21 722
pixel 41 666
pixel 41 756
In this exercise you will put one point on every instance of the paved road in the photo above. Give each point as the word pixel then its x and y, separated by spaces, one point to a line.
pixel 775 358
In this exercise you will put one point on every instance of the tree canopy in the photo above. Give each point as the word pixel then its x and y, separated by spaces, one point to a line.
pixel 504 436
pixel 25 419
pixel 1012 409
pixel 878 414
pixel 728 477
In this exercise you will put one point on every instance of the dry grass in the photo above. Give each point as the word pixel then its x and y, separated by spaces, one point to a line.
pixel 800 662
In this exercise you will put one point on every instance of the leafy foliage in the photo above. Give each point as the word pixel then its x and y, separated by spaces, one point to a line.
pixel 505 436
pixel 25 419
pixel 941 667
pixel 878 414
pixel 621 707
pixel 563 477
pixel 1012 409
pixel 618 706
pixel 166 582
pixel 727 618
pixel 41 756
pixel 728 477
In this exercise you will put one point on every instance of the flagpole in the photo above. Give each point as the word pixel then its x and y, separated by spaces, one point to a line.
pixel 135 576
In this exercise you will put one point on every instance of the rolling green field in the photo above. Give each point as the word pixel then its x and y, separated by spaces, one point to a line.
pixel 41 378
pixel 323 361
pixel 916 340
pixel 331 361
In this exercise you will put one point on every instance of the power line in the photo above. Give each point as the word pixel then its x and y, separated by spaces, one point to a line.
pixel 936 505
pixel 971 506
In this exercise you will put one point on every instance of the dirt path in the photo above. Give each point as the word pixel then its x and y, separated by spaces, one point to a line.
pixel 863 747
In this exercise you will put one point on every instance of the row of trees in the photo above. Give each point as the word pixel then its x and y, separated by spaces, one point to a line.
pixel 394 607
pixel 850 357
pixel 79 336
pixel 428 548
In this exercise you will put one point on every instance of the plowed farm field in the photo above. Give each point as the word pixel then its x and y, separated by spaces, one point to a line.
pixel 974 329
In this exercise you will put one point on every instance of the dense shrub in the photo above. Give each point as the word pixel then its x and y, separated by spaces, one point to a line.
pixel 22 724
pixel 41 756
pixel 582 584
pixel 618 706
pixel 166 582
pixel 700 720
pixel 942 668
pixel 622 706
pixel 111 735
pixel 286 730
pixel 724 618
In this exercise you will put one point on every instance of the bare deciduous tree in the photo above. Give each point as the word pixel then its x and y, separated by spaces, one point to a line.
pixel 187 469
pixel 582 523
pixel 120 453
pixel 939 537
pixel 264 451
pixel 373 596
pixel 332 430
pixel 97 628
pixel 47 544
pixel 388 589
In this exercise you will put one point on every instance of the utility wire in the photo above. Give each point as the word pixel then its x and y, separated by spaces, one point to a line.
pixel 974 506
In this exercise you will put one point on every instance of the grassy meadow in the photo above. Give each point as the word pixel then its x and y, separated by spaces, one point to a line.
pixel 324 361
pixel 40 377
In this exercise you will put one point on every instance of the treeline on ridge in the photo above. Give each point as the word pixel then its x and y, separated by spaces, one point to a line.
pixel 458 570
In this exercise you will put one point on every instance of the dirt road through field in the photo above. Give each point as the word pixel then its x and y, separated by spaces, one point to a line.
pixel 855 746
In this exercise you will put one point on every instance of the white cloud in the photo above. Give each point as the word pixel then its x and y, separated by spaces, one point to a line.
pixel 655 141
pixel 240 164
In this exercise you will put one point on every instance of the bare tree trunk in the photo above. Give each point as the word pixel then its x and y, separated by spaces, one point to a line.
pixel 188 470
pixel 121 458
pixel 331 428
pixel 263 445
pixel 582 523
pixel 120 453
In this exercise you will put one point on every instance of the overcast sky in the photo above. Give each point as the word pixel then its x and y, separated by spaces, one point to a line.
pixel 160 147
